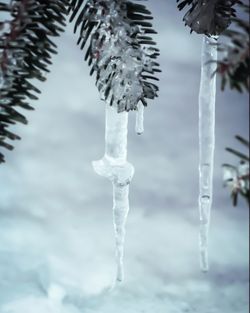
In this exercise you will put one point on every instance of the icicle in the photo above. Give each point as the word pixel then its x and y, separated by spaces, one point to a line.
pixel 120 213
pixel 206 141
pixel 115 167
pixel 139 127
pixel 121 54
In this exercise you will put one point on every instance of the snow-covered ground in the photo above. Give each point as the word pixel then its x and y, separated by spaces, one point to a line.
pixel 56 232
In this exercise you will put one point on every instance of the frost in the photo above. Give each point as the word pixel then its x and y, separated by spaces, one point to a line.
pixel 237 178
pixel 120 52
pixel 206 141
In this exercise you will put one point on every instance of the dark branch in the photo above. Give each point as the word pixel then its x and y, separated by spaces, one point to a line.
pixel 119 33
pixel 209 17
pixel 25 54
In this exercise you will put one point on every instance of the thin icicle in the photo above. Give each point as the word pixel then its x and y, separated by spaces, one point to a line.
pixel 120 213
pixel 206 141
pixel 139 122
pixel 115 167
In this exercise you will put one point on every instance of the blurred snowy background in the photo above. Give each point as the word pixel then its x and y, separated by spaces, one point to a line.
pixel 55 212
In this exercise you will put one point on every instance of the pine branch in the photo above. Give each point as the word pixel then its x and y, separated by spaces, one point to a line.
pixel 209 17
pixel 242 140
pixel 121 51
pixel 25 54
pixel 234 66
pixel 238 154
pixel 237 177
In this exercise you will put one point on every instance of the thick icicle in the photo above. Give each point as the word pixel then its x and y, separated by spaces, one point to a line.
pixel 123 55
pixel 206 141
pixel 139 122
pixel 115 167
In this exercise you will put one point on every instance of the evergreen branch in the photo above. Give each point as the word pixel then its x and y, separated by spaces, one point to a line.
pixel 244 141
pixel 121 51
pixel 209 17
pixel 237 177
pixel 25 54
pixel 238 154
pixel 234 66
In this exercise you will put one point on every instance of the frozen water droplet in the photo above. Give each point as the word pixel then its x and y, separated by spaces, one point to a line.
pixel 139 127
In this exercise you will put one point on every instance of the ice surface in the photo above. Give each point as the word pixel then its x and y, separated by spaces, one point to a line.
pixel 206 141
